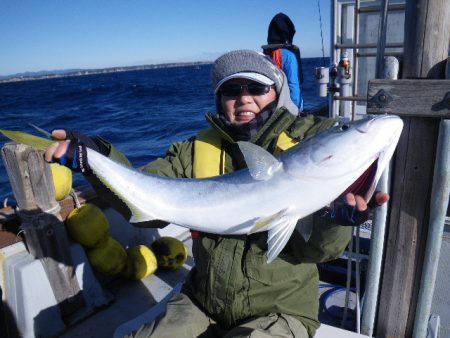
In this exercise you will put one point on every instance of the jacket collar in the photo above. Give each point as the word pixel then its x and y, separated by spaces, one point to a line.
pixel 266 137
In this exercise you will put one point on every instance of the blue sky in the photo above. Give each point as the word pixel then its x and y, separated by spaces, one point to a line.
pixel 40 35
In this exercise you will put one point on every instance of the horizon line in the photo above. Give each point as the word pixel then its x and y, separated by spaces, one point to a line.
pixel 68 72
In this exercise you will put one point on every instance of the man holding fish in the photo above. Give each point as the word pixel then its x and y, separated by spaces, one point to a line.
pixel 248 281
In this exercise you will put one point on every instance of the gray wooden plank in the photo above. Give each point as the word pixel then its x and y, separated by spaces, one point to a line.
pixel 420 97
pixel 414 163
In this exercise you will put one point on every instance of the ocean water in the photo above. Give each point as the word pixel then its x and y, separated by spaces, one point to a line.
pixel 140 112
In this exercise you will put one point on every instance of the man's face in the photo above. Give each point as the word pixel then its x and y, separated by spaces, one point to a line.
pixel 241 105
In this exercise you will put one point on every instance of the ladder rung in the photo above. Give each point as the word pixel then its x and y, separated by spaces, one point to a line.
pixel 350 98
pixel 366 45
pixel 374 9
pixel 373 54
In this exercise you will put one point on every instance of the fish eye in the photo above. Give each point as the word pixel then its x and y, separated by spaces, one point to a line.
pixel 344 127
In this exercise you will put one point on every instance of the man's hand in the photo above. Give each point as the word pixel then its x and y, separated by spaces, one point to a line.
pixel 71 151
pixel 353 210
pixel 56 150
pixel 361 204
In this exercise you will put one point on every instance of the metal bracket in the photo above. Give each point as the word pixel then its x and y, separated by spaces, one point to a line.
pixel 380 100
pixel 434 323
pixel 444 104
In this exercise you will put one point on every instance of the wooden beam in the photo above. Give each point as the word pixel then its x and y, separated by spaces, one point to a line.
pixel 420 98
pixel 45 234
pixel 427 33
pixel 30 179
pixel 406 238
pixel 47 241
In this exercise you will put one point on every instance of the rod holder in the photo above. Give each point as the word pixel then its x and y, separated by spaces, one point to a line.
pixel 344 79
pixel 322 76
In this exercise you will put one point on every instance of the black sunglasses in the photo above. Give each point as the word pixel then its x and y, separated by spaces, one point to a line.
pixel 235 89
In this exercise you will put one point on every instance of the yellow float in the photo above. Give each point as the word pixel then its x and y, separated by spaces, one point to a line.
pixel 108 257
pixel 62 180
pixel 170 252
pixel 141 262
pixel 87 225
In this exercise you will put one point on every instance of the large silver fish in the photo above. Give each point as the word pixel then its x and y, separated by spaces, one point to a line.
pixel 272 194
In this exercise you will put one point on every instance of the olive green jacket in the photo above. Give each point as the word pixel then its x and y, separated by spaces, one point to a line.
pixel 231 280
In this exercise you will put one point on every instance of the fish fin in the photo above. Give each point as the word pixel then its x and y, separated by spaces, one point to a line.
pixel 262 223
pixel 304 227
pixel 37 142
pixel 261 164
pixel 137 215
pixel 278 236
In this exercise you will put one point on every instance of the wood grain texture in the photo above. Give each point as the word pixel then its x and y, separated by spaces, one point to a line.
pixel 421 98
pixel 427 32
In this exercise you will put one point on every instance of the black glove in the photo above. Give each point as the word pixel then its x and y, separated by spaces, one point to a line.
pixel 341 213
pixel 75 157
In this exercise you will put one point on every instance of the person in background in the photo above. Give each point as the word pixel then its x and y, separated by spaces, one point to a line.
pixel 231 291
pixel 286 55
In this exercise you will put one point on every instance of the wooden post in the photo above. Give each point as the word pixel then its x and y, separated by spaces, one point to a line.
pixel 45 235
pixel 427 32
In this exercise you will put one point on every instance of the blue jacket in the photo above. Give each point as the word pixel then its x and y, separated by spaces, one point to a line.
pixel 290 68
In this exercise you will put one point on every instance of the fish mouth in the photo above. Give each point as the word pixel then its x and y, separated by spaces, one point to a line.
pixel 363 186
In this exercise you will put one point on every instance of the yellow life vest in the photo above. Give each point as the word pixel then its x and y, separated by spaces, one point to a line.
pixel 209 155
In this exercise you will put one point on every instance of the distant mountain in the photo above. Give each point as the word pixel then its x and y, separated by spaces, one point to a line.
pixel 79 72
pixel 39 73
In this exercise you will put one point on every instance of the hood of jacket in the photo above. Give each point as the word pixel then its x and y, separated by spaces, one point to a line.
pixel 281 30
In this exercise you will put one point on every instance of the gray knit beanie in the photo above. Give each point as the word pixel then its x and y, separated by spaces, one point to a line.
pixel 245 62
